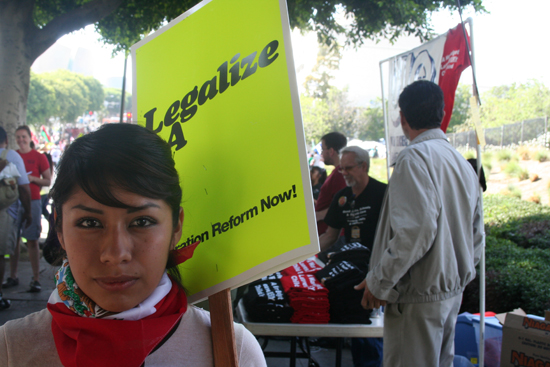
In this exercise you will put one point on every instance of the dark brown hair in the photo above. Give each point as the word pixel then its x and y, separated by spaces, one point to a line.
pixel 123 156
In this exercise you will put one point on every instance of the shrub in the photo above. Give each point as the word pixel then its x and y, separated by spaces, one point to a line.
pixel 524 223
pixel 512 191
pixel 515 277
pixel 513 169
pixel 541 155
pixel 524 152
pixel 517 257
pixel 535 198
pixel 487 164
pixel 504 155
pixel 523 174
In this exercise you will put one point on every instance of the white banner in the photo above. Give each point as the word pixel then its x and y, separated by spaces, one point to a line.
pixel 423 62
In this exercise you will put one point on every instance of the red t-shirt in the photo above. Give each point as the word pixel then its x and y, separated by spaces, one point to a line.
pixel 36 163
pixel 334 183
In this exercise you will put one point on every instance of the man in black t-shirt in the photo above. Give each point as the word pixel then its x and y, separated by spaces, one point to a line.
pixel 355 208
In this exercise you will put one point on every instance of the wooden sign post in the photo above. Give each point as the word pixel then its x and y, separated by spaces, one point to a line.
pixel 223 333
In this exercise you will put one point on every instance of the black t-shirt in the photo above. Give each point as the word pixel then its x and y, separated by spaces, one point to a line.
pixel 357 215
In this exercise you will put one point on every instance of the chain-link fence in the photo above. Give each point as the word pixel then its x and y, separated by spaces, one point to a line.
pixel 533 132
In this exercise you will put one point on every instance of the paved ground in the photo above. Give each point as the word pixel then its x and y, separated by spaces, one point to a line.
pixel 23 302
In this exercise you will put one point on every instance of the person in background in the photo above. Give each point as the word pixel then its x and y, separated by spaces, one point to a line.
pixel 119 299
pixel 39 174
pixel 331 144
pixel 356 209
pixel 318 176
pixel 8 216
pixel 428 240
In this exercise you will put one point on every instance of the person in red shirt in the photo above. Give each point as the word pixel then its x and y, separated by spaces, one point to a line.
pixel 38 170
pixel 331 144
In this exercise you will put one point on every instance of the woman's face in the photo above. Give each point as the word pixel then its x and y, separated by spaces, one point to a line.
pixel 23 139
pixel 118 256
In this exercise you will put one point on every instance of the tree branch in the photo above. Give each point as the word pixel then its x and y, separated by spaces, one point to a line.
pixel 39 40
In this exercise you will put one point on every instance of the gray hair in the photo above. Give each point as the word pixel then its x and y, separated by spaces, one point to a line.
pixel 361 155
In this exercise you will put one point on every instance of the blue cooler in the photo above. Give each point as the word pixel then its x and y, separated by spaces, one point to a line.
pixel 467 339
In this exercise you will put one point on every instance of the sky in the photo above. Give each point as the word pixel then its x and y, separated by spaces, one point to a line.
pixel 508 46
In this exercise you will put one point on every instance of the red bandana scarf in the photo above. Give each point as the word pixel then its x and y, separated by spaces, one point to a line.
pixel 92 342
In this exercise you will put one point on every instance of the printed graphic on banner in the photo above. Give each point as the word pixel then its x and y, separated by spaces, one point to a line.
pixel 217 84
pixel 441 61
pixel 422 62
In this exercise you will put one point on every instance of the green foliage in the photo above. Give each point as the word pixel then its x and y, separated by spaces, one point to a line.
pixel 487 164
pixel 96 95
pixel 328 60
pixel 112 97
pixel 461 108
pixel 505 155
pixel 512 191
pixel 314 114
pixel 517 257
pixel 513 169
pixel 369 19
pixel 526 224
pixel 41 104
pixel 541 155
pixel 323 115
pixel 515 277
pixel 62 94
pixel 370 123
pixel 512 103
pixel 372 19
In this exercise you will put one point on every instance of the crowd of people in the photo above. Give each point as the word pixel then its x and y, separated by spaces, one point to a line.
pixel 417 239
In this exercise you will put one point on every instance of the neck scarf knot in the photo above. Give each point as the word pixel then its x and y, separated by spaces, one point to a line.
pixel 81 328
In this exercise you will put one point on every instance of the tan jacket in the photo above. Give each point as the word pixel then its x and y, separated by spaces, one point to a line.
pixel 29 342
pixel 430 232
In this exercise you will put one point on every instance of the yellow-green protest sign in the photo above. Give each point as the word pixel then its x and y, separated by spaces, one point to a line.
pixel 218 83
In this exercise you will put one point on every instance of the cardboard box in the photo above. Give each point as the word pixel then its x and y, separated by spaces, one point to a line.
pixel 525 342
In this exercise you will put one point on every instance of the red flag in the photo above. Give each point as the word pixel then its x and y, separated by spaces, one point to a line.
pixel 455 59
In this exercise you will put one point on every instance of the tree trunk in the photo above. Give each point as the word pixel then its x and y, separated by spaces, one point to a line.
pixel 21 42
pixel 15 65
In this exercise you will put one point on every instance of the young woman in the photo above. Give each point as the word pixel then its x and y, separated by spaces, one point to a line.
pixel 38 171
pixel 118 216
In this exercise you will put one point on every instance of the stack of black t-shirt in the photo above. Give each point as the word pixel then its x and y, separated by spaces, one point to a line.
pixel 353 252
pixel 345 302
pixel 266 300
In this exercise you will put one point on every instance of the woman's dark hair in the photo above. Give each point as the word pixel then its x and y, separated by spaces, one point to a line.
pixel 322 173
pixel 122 156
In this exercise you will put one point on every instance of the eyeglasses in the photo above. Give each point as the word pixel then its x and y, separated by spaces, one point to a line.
pixel 347 169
